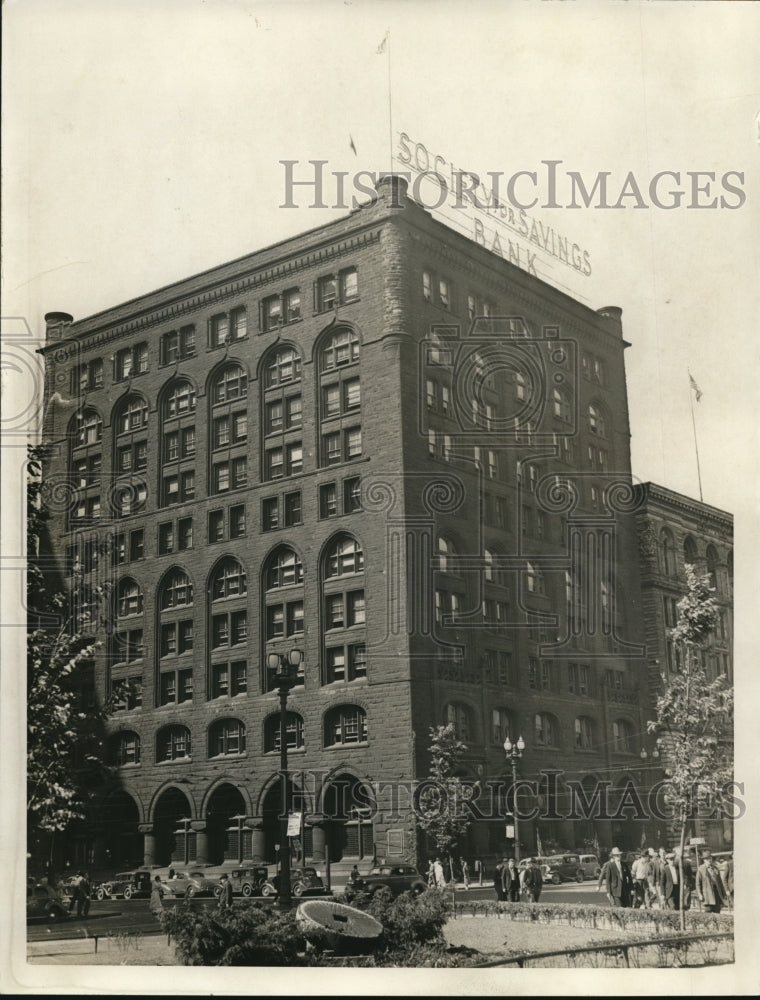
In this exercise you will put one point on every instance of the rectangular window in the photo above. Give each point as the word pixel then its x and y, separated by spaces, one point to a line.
pixel 352 495
pixel 239 677
pixel 349 284
pixel 269 514
pixel 272 312
pixel 328 500
pixel 219 330
pixel 356 611
pixel 239 472
pixel 274 463
pixel 215 525
pixel 336 664
pixel 166 538
pixel 292 305
pixel 273 416
pixel 222 477
pixel 293 508
pixel 185 533
pixel 239 323
pixel 444 293
pixel 427 286
pixel 187 483
pixel 353 442
pixel 331 447
pixel 295 618
pixel 334 615
pixel 293 413
pixel 220 680
pixel 221 432
pixel 357 661
pixel 351 394
pixel 294 458
pixel 331 400
pixel 275 621
pixel 136 544
pixel 327 293
pixel 237 521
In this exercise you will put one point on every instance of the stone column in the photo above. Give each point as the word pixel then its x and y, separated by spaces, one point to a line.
pixel 149 844
pixel 258 840
pixel 201 841
pixel 318 838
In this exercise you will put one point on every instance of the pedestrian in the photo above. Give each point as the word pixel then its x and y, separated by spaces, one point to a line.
pixel 83 896
pixel 440 880
pixel 726 870
pixel 225 895
pixel 465 873
pixel 602 880
pixel 689 880
pixel 74 890
pixel 618 880
pixel 532 880
pixel 156 904
pixel 511 882
pixel 498 880
pixel 710 885
pixel 354 877
pixel 659 864
pixel 669 886
pixel 638 874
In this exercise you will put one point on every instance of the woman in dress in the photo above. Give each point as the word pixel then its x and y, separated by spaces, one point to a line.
pixel 157 898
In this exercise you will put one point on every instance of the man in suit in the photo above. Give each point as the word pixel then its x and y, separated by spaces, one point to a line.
pixel 498 880
pixel 618 880
pixel 532 880
pixel 225 894
pixel 511 882
pixel 710 885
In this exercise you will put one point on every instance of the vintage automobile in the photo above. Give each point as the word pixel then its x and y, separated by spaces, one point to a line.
pixel 45 903
pixel 562 868
pixel 246 881
pixel 195 882
pixel 303 882
pixel 125 885
pixel 590 865
pixel 398 878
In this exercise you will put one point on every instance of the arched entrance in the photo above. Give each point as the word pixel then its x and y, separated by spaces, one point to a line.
pixel 119 844
pixel 271 812
pixel 349 832
pixel 174 840
pixel 227 838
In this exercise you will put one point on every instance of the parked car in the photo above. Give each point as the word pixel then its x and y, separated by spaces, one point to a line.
pixel 246 881
pixel 126 885
pixel 590 865
pixel 397 878
pixel 563 868
pixel 303 882
pixel 44 903
pixel 195 882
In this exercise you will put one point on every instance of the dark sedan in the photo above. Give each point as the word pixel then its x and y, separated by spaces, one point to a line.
pixel 397 878
pixel 303 882
pixel 44 903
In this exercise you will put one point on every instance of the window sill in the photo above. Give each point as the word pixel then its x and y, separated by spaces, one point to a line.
pixel 346 746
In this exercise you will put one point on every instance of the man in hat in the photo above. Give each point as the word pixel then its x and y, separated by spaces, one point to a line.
pixel 532 880
pixel 710 885
pixel 669 885
pixel 618 880
pixel 225 892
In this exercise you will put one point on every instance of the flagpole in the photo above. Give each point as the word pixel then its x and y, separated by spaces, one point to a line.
pixel 694 428
pixel 390 106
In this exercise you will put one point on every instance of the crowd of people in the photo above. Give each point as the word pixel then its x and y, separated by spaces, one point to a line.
pixel 652 880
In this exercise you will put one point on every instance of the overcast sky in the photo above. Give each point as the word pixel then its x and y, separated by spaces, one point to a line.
pixel 143 143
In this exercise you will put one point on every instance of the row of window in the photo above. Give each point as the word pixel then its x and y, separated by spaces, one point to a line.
pixel 546 729
pixel 223 328
pixel 669 561
pixel 344 725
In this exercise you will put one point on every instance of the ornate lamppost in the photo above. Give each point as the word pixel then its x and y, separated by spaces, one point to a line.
pixel 514 752
pixel 284 674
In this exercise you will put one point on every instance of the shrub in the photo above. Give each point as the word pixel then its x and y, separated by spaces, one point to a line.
pixel 408 920
pixel 247 934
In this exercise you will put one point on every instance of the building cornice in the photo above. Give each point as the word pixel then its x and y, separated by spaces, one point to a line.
pixel 661 498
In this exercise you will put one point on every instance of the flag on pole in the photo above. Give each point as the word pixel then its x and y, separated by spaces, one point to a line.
pixel 539 848
pixel 351 143
pixel 695 387
pixel 382 45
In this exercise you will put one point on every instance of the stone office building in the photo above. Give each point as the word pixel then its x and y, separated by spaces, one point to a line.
pixel 383 445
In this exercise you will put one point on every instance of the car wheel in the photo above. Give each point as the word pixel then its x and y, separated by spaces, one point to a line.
pixel 100 894
pixel 128 892
pixel 579 877
pixel 189 892
pixel 267 890
pixel 217 890
pixel 556 880
pixel 418 889
pixel 247 889
pixel 54 915
pixel 298 889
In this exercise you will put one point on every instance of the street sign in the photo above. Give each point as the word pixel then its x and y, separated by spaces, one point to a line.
pixel 510 831
pixel 697 841
pixel 294 824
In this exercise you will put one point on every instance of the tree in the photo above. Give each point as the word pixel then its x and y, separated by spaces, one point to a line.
pixel 64 726
pixel 693 721
pixel 441 811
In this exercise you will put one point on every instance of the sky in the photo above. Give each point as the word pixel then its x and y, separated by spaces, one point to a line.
pixel 142 143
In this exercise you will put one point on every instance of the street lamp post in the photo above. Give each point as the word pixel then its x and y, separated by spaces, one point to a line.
pixel 285 677
pixel 514 752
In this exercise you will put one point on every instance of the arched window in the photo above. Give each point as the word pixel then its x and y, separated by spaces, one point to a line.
pixel 545 730
pixel 226 738
pixel 712 566
pixel 173 743
pixel 344 557
pixel 282 366
pixel 131 414
pixel 228 580
pixel 596 421
pixel 293 732
pixel 668 552
pixel 129 598
pixel 585 733
pixel 284 569
pixel 229 384
pixel 124 749
pixel 344 725
pixel 535 580
pixel 176 591
pixel 460 716
pixel 342 348
pixel 88 427
pixel 689 551
pixel 179 400
pixel 622 736
pixel 561 406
